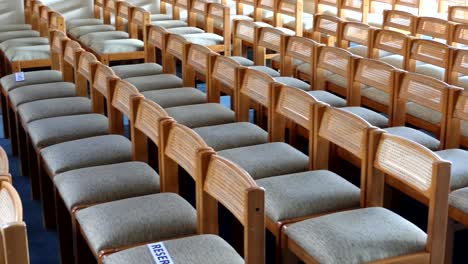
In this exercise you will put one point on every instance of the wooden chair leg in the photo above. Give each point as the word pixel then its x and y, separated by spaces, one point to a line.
pixel 82 251
pixel 287 256
pixel 13 134
pixel 47 199
pixel 33 172
pixel 64 230
pixel 449 241
pixel 22 147
pixel 6 129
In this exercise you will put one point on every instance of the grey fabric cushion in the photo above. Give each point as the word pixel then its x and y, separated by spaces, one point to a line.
pixel 25 53
pixel 307 193
pixel 304 68
pixel 463 82
pixel 83 22
pixel 83 30
pixel 361 50
pixel 267 160
pixel 101 184
pixel 205 39
pixel 176 96
pixel 233 135
pixel 135 70
pixel 459 169
pixel 201 249
pixel 118 46
pixel 293 82
pixel 156 82
pixel 328 98
pixel 459 199
pixel 157 17
pixel 277 58
pixel 185 30
pixel 200 115
pixel 23 42
pixel 357 236
pixel 370 116
pixel 50 131
pixel 48 108
pixel 376 95
pixel 15 27
pixel 423 113
pixel 243 61
pixel 266 70
pixel 18 34
pixel 87 152
pixel 90 38
pixel 416 136
pixel 431 70
pixel 41 91
pixel 169 23
pixel 337 80
pixel 394 60
pixel 35 77
pixel 137 220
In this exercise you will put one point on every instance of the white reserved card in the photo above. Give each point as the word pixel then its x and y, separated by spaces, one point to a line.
pixel 19 76
pixel 160 253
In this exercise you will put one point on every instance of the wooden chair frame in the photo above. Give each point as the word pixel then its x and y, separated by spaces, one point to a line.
pixel 359 7
pixel 391 41
pixel 4 167
pixel 435 27
pixel 457 112
pixel 431 52
pixel 293 8
pixel 400 21
pixel 326 29
pixel 458 14
pixel 298 48
pixel 268 39
pixel 356 32
pixel 459 36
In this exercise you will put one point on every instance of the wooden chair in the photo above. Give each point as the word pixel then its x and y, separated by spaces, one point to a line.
pixel 244 36
pixel 436 28
pixel 430 58
pixel 458 70
pixel 445 5
pixel 393 161
pixel 377 8
pixel 4 167
pixel 458 14
pixel 97 18
pixel 269 42
pixel 391 47
pixel 460 37
pixel 349 9
pixel 326 29
pixel 265 11
pixel 416 7
pixel 299 21
pixel 13 235
pixel 327 7
pixel 400 21
pixel 299 49
pixel 356 37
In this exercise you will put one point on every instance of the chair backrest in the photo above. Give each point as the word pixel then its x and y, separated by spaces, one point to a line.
pixel 243 32
pixel 268 38
pixel 357 7
pixel 100 91
pixel 197 65
pixel 198 8
pixel 124 12
pixel 226 183
pixel 240 5
pixel 139 19
pixel 416 6
pixel 326 29
pixel 44 16
pixel 28 6
pixel 218 18
pixel 292 8
pixel 4 166
pixel 357 33
pixel 297 48
pixel 457 113
pixel 458 14
pixel 328 3
pixel 57 48
pixel 436 28
pixel 400 21
pixel 13 235
pixel 175 48
pixel 85 73
pixel 35 14
pixel 393 42
pixel 71 56
pixel 459 66
pixel 417 172
pixel 98 7
pixel 460 35
pixel 263 6
pixel 120 93
pixel 444 5
pixel 432 52
pixel 56 22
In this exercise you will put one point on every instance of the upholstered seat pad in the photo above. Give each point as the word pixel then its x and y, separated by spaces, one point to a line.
pixel 50 131
pixel 158 17
pixel 296 62
pixel 48 108
pixel 87 152
pixel 22 42
pixel 243 61
pixel 304 68
pixel 201 249
pixel 232 135
pixel 90 38
pixel 424 113
pixel 376 95
pixel 266 70
pixel 176 96
pixel 18 34
pixel 83 30
pixel 290 81
pixel 156 82
pixel 362 50
pixel 15 27
pixel 169 23
pixel 205 39
pixel 185 30
pixel 35 77
pixel 459 199
pixel 459 169
pixel 266 160
pixel 328 98
pixel 118 46
pixel 415 135
pixel 83 22
pixel 135 70
pixel 395 60
pixel 462 82
pixel 200 115
pixel 374 118
pixel 357 236
pixel 100 184
pixel 307 193
pixel 431 70
pixel 27 53
pixel 41 91
pixel 137 220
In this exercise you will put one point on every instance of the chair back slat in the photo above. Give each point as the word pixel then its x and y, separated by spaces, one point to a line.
pixel 175 46
pixel 122 96
pixel 216 11
pixel 460 62
pixel 328 25
pixel 101 79
pixel 56 22
pixel 295 105
pixel 256 85
pixel 225 70
pixel 460 34
pixel 71 50
pixel 148 117
pixel 156 36
pixel 399 20
pixel 270 38
pixel 375 74
pixel 391 41
pixel 356 32
pixel 289 7
pixel 430 51
pixel 85 64
pixel 199 7
pixel 301 48
pixel 245 30
pixel 140 16
pixel 11 210
pixel 199 57
pixel 335 60
pixel 424 90
pixel 434 27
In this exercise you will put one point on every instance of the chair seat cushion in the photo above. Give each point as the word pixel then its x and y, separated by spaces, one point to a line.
pixel 90 38
pixel 157 17
pixel 201 249
pixel 135 70
pixel 48 108
pixel 205 39
pixel 370 116
pixel 257 160
pixel 156 82
pixel 462 82
pixel 50 131
pixel 424 113
pixel 77 32
pixel 293 82
pixel 431 70
pixel 41 91
pixel 176 96
pixel 357 236
pixel 459 169
pixel 328 98
pixel 185 30
pixel 101 184
pixel 27 53
pixel 459 199
pixel 277 58
pixel 376 95
pixel 337 80
pixel 307 193
pixel 243 61
pixel 200 115
pixel 266 70
pixel 87 152
pixel 22 42
pixel 304 68
pixel 79 22
pixel 35 77
pixel 118 46
pixel 15 27
pixel 375 19
pixel 394 60
pixel 362 50
pixel 169 23
pixel 415 135
pixel 232 135
pixel 137 220
pixel 18 34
